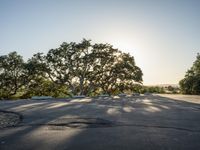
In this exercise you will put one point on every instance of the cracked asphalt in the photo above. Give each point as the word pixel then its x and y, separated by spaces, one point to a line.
pixel 149 122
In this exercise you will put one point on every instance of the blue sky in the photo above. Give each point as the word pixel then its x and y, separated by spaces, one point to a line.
pixel 162 35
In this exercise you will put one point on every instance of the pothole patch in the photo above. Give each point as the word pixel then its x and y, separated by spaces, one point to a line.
pixel 80 123
pixel 9 119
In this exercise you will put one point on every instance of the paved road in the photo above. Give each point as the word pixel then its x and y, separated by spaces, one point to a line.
pixel 151 122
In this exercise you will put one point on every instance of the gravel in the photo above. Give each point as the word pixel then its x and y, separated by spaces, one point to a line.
pixel 8 119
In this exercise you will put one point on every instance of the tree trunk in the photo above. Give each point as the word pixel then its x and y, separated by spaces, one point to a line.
pixel 81 86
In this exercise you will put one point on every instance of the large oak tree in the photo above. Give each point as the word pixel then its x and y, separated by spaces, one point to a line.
pixel 73 68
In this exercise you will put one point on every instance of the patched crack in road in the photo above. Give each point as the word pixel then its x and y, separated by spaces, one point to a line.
pixel 98 123
pixel 75 123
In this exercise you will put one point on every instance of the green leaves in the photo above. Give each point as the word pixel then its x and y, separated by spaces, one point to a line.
pixel 79 68
pixel 11 74
pixel 191 83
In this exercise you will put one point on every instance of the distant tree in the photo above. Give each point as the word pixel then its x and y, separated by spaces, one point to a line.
pixel 12 76
pixel 41 86
pixel 36 67
pixel 152 89
pixel 83 66
pixel 191 83
pixel 70 64
pixel 38 79
pixel 114 70
pixel 172 89
pixel 102 75
pixel 87 68
pixel 73 68
pixel 127 73
pixel 136 88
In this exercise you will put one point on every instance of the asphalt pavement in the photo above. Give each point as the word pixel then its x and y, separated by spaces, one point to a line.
pixel 147 122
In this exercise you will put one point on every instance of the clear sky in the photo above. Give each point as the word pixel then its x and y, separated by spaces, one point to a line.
pixel 162 35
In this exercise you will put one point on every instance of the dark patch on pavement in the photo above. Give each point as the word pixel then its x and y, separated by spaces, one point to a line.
pixel 80 123
pixel 9 119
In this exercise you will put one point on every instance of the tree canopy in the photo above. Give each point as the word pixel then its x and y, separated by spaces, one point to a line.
pixel 191 83
pixel 71 69
pixel 12 74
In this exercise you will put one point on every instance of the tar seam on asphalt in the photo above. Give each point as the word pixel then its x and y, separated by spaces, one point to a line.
pixel 101 123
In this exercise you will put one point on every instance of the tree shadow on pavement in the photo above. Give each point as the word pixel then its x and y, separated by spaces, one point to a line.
pixel 145 122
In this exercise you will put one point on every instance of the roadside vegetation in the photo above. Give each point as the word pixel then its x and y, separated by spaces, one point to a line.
pixel 191 83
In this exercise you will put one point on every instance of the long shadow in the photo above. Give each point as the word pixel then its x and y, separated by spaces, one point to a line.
pixel 147 137
pixel 148 122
